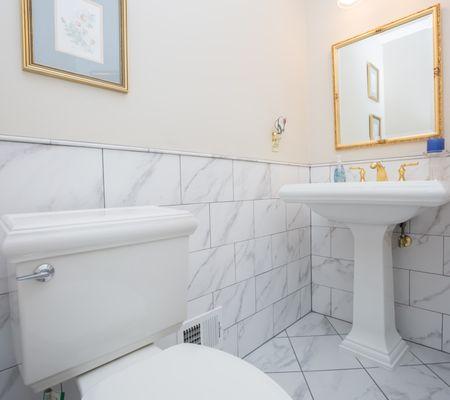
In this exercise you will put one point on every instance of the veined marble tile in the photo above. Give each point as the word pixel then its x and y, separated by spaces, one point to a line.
pixel 37 178
pixel 443 371
pixel 305 241
pixel 312 325
pixel 322 353
pixel 401 285
pixel 254 331
pixel 138 179
pixel 200 306
pixel 251 180
pixel 271 287
pixel 297 215
pixel 245 259
pixel 283 175
pixel 287 311
pixel 280 254
pixel 293 245
pixel 342 305
pixel 432 221
pixel 321 299
pixel 305 300
pixel 446 333
pixel 320 174
pixel 237 302
pixel 321 241
pixel 420 326
pixel 341 327
pixel 431 292
pixel 231 222
pixel 263 255
pixel 447 256
pixel 201 238
pixel 332 272
pixel 206 179
pixel 425 254
pixel 7 358
pixel 270 217
pixel 343 385
pixel 294 384
pixel 210 270
pixel 298 274
pixel 12 387
pixel 274 356
pixel 229 341
pixel 412 383
pixel 428 355
pixel 342 243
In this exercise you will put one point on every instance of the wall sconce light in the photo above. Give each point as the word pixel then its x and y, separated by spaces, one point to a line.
pixel 279 128
pixel 347 3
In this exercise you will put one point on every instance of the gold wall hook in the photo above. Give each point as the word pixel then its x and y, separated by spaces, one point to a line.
pixel 381 171
pixel 362 173
pixel 402 170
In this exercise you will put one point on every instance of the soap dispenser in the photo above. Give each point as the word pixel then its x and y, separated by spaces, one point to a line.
pixel 339 172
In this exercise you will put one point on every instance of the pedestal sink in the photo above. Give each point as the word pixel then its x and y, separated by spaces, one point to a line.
pixel 371 210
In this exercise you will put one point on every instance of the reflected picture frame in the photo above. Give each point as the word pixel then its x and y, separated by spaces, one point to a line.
pixel 374 128
pixel 83 41
pixel 435 12
pixel 373 82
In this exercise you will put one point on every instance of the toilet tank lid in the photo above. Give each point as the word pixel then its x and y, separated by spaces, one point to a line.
pixel 33 236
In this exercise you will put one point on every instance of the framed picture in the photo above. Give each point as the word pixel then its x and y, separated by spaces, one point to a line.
pixel 373 83
pixel 83 41
pixel 374 128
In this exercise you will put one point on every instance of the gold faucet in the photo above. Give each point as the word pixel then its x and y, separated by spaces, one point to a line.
pixel 402 170
pixel 381 171
pixel 362 173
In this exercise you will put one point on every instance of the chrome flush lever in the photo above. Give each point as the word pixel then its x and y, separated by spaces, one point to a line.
pixel 43 273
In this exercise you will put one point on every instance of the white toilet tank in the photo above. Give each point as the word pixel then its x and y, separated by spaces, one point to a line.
pixel 120 283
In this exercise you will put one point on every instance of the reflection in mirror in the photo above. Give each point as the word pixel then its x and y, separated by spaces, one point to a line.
pixel 387 83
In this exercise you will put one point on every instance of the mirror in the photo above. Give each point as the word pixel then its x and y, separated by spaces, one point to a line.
pixel 387 83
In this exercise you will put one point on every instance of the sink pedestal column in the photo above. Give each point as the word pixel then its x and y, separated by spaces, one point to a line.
pixel 374 335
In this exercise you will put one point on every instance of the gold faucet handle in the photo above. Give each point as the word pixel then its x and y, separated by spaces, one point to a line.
pixel 402 170
pixel 362 173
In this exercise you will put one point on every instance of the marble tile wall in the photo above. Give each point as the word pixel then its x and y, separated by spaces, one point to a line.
pixel 421 272
pixel 250 253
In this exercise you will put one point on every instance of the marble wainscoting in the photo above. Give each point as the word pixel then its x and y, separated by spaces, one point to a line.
pixel 421 272
pixel 250 253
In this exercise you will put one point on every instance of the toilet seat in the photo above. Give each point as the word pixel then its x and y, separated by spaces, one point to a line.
pixel 188 372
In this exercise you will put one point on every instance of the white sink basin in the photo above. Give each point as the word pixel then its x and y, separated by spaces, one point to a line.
pixel 371 210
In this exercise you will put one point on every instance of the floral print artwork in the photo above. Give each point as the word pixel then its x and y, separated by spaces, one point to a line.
pixel 79 29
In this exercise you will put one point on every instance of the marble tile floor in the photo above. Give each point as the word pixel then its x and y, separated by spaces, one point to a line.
pixel 306 361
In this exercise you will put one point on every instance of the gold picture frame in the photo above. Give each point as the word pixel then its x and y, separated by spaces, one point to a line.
pixel 373 89
pixel 29 63
pixel 374 121
pixel 435 11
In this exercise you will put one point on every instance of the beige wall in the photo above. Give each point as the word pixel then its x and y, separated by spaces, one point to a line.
pixel 205 76
pixel 328 24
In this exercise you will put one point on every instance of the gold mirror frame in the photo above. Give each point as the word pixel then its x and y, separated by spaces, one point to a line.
pixel 28 63
pixel 435 11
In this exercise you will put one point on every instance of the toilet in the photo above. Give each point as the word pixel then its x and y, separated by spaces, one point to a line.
pixel 91 291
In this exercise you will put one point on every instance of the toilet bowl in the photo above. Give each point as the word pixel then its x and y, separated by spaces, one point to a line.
pixel 185 371
pixel 91 291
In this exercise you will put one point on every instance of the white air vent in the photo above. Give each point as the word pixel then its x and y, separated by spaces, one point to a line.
pixel 204 329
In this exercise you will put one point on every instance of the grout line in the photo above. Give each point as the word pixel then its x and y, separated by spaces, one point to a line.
pixel 435 374
pixel 375 382
pixel 300 366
